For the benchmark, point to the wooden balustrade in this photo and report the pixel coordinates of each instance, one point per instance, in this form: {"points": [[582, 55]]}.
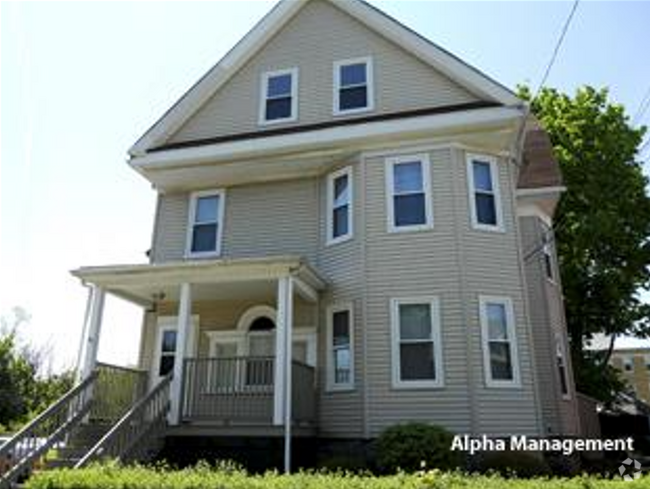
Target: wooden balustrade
{"points": [[240, 390]]}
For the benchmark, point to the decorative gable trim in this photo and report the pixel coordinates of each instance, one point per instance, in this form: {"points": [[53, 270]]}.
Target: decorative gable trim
{"points": [[440, 59]]}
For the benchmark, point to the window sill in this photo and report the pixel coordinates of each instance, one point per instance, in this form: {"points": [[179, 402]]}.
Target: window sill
{"points": [[410, 229], [264, 122], [207, 254], [488, 229], [360, 110], [418, 385], [334, 389], [339, 240], [502, 385]]}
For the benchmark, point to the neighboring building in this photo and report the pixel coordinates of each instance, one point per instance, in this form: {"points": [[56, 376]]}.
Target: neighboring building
{"points": [[340, 191], [634, 364]]}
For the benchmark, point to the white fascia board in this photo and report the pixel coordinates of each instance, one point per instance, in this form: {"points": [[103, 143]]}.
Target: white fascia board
{"points": [[432, 54], [217, 76], [339, 135], [200, 271]]}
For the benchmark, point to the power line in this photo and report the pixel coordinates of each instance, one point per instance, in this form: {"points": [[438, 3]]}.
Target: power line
{"points": [[643, 107], [557, 48]]}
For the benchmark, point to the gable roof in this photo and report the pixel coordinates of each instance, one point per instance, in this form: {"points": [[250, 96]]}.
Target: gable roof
{"points": [[432, 54]]}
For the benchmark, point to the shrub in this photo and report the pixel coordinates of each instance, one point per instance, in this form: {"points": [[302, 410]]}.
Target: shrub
{"points": [[412, 446], [206, 477]]}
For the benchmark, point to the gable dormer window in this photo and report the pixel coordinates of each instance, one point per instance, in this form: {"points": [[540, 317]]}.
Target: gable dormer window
{"points": [[353, 86], [279, 100], [205, 223]]}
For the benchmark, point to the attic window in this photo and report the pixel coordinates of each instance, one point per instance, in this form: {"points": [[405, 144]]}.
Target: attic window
{"points": [[353, 86], [279, 96]]}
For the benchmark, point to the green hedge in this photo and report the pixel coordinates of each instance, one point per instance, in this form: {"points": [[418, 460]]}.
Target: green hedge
{"points": [[204, 477]]}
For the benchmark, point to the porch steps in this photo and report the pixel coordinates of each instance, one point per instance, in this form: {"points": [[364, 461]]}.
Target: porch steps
{"points": [[80, 442]]}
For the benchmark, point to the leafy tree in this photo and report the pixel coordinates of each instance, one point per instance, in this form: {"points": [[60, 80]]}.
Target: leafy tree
{"points": [[602, 222], [25, 391]]}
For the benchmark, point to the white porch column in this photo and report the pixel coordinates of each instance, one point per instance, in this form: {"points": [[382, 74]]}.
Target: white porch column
{"points": [[284, 309], [182, 337], [88, 361], [288, 349], [283, 354]]}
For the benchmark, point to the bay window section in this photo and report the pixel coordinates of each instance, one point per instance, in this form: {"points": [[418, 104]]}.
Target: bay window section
{"points": [[485, 201], [416, 351], [500, 359], [408, 193]]}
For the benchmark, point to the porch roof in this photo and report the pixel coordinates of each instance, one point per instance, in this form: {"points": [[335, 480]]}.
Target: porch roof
{"points": [[140, 282]]}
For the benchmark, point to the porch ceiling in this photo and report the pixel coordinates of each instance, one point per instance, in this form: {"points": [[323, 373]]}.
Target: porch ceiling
{"points": [[224, 279]]}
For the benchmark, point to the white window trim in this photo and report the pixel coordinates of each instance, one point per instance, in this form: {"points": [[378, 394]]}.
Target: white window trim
{"points": [[331, 386], [560, 348], [425, 164], [170, 323], [331, 240], [370, 83], [194, 196], [512, 339], [494, 174], [262, 121], [434, 304]]}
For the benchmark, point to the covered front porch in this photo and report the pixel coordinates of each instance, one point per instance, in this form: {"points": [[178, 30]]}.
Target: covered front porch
{"points": [[237, 337]]}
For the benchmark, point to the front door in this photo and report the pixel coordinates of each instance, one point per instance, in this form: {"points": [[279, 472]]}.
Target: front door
{"points": [[164, 354]]}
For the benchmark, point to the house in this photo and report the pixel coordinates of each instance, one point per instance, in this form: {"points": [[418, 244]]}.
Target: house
{"points": [[353, 229], [634, 364]]}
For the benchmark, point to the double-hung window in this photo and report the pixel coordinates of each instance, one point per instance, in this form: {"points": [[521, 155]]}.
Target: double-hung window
{"points": [[560, 358], [500, 359], [339, 347], [485, 201], [205, 223], [353, 86], [408, 188], [416, 343], [339, 206], [279, 98]]}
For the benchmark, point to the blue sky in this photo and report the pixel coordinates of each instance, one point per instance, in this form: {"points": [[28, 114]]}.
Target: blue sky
{"points": [[80, 81]]}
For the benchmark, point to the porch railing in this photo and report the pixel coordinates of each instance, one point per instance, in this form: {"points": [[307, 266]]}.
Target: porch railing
{"points": [[115, 391], [43, 433], [137, 432], [240, 390]]}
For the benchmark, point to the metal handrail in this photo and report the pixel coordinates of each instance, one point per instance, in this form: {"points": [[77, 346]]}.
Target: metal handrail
{"points": [[145, 415], [50, 426]]}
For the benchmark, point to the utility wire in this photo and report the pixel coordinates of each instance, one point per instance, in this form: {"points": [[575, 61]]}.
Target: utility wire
{"points": [[549, 235], [643, 107], [557, 48]]}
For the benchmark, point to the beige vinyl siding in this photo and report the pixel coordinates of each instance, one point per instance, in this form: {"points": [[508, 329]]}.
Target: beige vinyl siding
{"points": [[279, 218], [316, 37], [341, 413], [170, 229], [456, 264], [492, 267], [403, 265], [547, 319]]}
